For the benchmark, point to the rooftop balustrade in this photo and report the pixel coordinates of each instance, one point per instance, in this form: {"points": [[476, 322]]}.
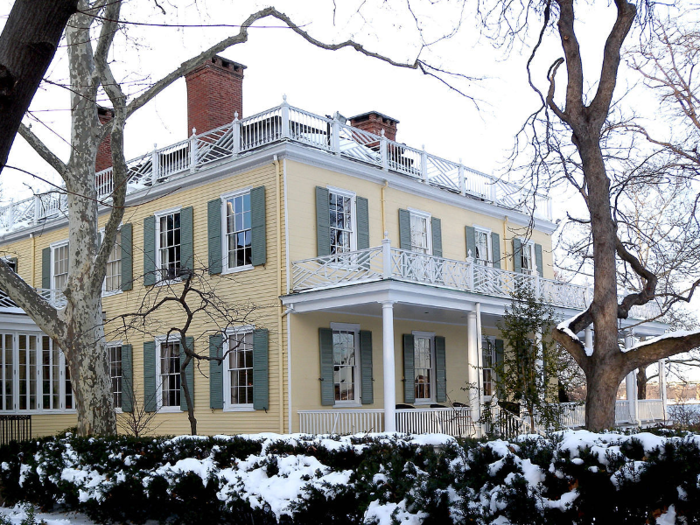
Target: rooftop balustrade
{"points": [[283, 123]]}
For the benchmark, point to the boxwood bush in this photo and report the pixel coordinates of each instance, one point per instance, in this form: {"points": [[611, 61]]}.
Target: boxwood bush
{"points": [[571, 477]]}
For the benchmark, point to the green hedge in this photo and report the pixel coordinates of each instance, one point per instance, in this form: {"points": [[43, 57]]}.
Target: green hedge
{"points": [[574, 477]]}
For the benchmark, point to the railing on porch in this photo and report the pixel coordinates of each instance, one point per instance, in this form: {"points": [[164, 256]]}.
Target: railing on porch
{"points": [[54, 297], [15, 428], [350, 421], [455, 421]]}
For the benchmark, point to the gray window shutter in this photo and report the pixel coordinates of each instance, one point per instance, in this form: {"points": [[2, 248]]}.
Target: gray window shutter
{"points": [[187, 238], [409, 374], [499, 366], [323, 222], [362, 209], [258, 232], [404, 229], [538, 259], [261, 380], [517, 255], [150, 403], [189, 372], [436, 229], [214, 234], [216, 372], [325, 339], [127, 257], [46, 268], [496, 249], [127, 378], [149, 251], [366, 377], [440, 370], [471, 241]]}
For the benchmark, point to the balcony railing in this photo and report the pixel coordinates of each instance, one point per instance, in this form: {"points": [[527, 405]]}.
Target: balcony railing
{"points": [[54, 297], [283, 123]]}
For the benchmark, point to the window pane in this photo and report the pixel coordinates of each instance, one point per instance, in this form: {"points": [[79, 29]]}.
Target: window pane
{"points": [[240, 368], [344, 361], [423, 367], [170, 374], [238, 230], [341, 223], [169, 246], [113, 278]]}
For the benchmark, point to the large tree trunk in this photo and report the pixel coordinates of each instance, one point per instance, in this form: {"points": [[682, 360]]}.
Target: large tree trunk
{"points": [[601, 384], [27, 46], [642, 383]]}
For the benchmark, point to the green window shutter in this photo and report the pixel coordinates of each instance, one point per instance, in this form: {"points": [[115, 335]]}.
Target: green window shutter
{"points": [[258, 228], [471, 241], [436, 229], [366, 378], [496, 249], [323, 222], [149, 251], [127, 378], [187, 238], [216, 372], [46, 268], [127, 257], [189, 372], [214, 233], [409, 374], [325, 337], [150, 402], [499, 366], [404, 229], [538, 259], [440, 370], [362, 208], [517, 256], [261, 388]]}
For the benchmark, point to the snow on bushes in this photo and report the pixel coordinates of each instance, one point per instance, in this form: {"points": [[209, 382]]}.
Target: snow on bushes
{"points": [[573, 477]]}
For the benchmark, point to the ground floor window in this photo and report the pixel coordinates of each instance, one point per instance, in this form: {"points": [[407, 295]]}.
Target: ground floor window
{"points": [[488, 364], [239, 387], [346, 362], [169, 373], [116, 376], [423, 366]]}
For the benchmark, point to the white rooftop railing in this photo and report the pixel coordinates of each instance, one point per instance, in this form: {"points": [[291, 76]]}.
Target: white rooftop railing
{"points": [[283, 123]]}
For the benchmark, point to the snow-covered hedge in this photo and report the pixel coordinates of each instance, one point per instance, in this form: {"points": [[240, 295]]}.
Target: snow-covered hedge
{"points": [[576, 477]]}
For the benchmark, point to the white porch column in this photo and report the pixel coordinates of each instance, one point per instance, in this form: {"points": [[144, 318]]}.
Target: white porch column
{"points": [[389, 366], [588, 338], [631, 383], [662, 386], [473, 360]]}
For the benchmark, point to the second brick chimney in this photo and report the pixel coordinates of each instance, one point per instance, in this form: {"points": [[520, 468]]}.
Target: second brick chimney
{"points": [[375, 122], [104, 151], [214, 94]]}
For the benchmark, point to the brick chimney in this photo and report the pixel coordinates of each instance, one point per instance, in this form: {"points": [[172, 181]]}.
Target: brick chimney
{"points": [[375, 122], [104, 151], [214, 94]]}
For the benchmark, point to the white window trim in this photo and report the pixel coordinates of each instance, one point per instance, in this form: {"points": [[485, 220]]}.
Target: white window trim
{"points": [[54, 246], [428, 226], [433, 373], [108, 346], [355, 328], [353, 211], [105, 293], [159, 340], [224, 241], [230, 407], [158, 215], [489, 243]]}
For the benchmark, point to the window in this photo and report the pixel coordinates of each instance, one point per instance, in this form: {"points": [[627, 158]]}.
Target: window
{"points": [[528, 258], [59, 265], [420, 232], [488, 364], [238, 381], [423, 366], [483, 247], [114, 354], [345, 362], [237, 231], [342, 221], [168, 363], [168, 245], [113, 277]]}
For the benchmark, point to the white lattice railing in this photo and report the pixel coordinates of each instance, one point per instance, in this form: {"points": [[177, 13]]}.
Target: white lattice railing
{"points": [[284, 123], [374, 264], [54, 297]]}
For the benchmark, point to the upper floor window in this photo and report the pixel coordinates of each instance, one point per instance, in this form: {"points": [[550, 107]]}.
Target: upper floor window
{"points": [[528, 257], [423, 366], [113, 275], [59, 265], [168, 245], [483, 247], [342, 221], [237, 230], [420, 232]]}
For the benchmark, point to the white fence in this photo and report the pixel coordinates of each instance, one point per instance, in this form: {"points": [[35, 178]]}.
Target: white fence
{"points": [[284, 123], [54, 297]]}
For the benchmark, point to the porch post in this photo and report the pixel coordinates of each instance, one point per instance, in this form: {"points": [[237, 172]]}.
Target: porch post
{"points": [[389, 366], [662, 386], [589, 339], [631, 383], [473, 370]]}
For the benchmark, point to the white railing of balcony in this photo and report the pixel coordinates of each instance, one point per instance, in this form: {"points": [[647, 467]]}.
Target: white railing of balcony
{"points": [[334, 270], [53, 297], [283, 123]]}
